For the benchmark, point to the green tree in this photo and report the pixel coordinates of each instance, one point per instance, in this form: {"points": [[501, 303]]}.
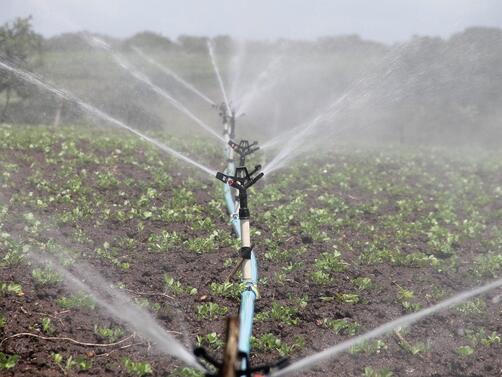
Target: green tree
{"points": [[18, 44]]}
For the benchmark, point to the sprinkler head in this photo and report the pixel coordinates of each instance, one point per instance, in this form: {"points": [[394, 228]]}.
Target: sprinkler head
{"points": [[258, 371], [242, 180], [227, 115], [244, 149]]}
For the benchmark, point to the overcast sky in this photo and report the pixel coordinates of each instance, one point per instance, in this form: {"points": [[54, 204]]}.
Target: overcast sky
{"points": [[383, 20]]}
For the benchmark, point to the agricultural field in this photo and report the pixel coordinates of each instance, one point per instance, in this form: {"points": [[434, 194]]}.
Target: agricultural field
{"points": [[346, 240]]}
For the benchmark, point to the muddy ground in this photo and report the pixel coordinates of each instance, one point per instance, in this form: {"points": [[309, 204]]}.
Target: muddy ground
{"points": [[386, 200]]}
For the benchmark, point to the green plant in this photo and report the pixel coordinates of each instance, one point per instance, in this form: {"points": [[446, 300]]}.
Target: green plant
{"points": [[227, 289], [210, 310], [11, 288], [74, 301], [112, 334], [413, 348], [45, 276], [212, 340], [465, 351], [405, 297], [476, 306], [277, 312], [8, 361], [370, 372], [165, 241], [269, 342], [487, 265], [369, 347], [342, 326], [348, 298], [79, 362], [185, 372], [46, 325], [331, 262], [321, 277], [137, 368], [175, 286], [479, 336], [362, 283], [3, 321]]}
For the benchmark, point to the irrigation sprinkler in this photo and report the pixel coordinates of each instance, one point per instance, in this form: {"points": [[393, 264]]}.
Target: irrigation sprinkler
{"points": [[243, 149], [236, 355], [228, 118]]}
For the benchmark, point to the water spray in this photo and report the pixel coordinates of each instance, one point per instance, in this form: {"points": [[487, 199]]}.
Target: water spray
{"points": [[120, 306], [217, 72], [94, 111], [331, 352], [124, 64], [175, 76], [228, 118]]}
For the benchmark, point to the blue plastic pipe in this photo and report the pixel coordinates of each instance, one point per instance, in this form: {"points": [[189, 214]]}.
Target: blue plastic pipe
{"points": [[250, 292], [248, 297]]}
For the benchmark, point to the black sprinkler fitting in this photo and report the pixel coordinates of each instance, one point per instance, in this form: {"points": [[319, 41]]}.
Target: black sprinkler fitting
{"points": [[243, 149], [242, 180], [245, 252], [263, 370]]}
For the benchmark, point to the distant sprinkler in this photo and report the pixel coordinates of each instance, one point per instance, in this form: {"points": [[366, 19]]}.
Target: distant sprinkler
{"points": [[227, 115], [243, 149]]}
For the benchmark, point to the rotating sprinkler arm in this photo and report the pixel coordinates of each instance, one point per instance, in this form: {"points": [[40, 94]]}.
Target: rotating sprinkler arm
{"points": [[232, 357], [258, 371], [241, 182], [243, 149]]}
